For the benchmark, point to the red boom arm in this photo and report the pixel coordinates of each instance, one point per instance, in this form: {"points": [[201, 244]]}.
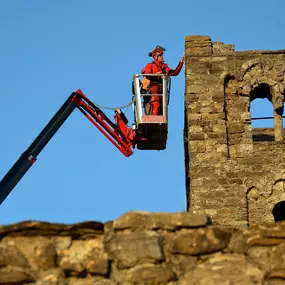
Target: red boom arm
{"points": [[118, 134]]}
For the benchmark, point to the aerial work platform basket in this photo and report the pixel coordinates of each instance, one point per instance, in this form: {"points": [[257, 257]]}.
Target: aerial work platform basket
{"points": [[153, 127]]}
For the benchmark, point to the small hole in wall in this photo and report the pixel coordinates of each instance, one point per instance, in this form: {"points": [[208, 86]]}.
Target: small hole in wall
{"points": [[278, 211]]}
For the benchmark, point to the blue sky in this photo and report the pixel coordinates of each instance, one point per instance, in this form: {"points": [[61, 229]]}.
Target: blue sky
{"points": [[51, 48]]}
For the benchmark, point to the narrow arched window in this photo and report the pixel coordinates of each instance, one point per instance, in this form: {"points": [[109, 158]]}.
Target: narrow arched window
{"points": [[262, 113]]}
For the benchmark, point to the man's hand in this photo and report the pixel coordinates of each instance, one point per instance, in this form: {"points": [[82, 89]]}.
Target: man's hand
{"points": [[182, 59]]}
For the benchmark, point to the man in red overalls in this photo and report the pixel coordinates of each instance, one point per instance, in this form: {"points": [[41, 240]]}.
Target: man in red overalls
{"points": [[155, 86]]}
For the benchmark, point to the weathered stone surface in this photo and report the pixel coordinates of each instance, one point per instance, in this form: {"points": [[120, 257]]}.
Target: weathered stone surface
{"points": [[84, 256], [199, 50], [277, 257], [168, 221], [239, 242], [180, 263], [16, 275], [90, 281], [62, 242], [136, 248], [104, 282], [46, 256], [266, 241], [10, 255], [198, 241], [145, 274], [196, 38], [35, 228], [224, 269], [276, 230], [274, 281], [39, 251], [53, 277], [261, 256], [279, 273], [221, 48]]}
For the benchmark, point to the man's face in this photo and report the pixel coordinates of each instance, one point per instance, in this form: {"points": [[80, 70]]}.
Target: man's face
{"points": [[160, 57]]}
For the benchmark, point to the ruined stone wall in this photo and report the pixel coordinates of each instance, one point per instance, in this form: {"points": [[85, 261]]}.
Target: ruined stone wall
{"points": [[144, 249], [234, 173]]}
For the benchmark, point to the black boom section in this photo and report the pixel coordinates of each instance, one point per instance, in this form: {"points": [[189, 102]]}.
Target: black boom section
{"points": [[26, 160]]}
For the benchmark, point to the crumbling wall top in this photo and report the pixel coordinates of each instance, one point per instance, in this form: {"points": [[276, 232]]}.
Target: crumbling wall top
{"points": [[197, 45]]}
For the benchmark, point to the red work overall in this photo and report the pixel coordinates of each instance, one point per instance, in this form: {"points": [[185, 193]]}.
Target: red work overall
{"points": [[157, 67]]}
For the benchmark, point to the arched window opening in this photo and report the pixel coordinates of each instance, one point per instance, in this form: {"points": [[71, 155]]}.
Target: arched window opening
{"points": [[278, 211], [262, 113], [261, 91]]}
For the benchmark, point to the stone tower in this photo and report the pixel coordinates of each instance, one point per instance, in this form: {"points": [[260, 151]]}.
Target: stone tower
{"points": [[234, 173]]}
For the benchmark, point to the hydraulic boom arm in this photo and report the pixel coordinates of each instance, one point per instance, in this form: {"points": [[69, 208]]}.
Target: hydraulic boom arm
{"points": [[118, 133]]}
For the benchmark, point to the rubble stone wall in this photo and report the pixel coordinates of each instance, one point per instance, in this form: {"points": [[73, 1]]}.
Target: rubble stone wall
{"points": [[144, 249], [234, 173]]}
